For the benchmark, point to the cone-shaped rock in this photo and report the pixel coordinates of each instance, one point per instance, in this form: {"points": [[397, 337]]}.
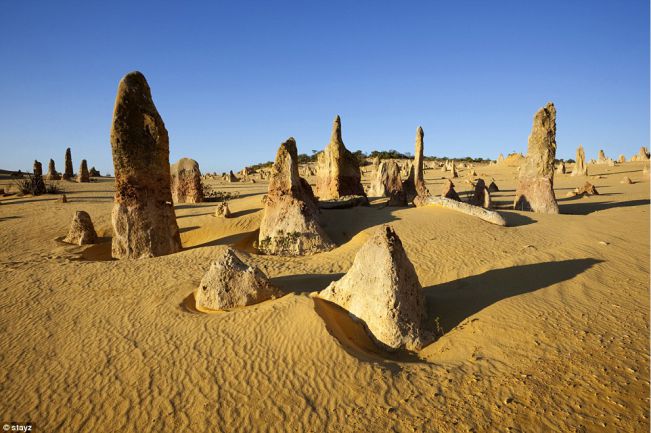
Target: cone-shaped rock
{"points": [[38, 186], [481, 196], [38, 169], [453, 169], [500, 159], [621, 159], [144, 224], [67, 166], [83, 175], [93, 172], [52, 172], [231, 283], [448, 191], [387, 183], [382, 290], [642, 155], [81, 230], [290, 224], [186, 181], [535, 189], [419, 178], [337, 172], [560, 169], [493, 187], [580, 169], [601, 157]]}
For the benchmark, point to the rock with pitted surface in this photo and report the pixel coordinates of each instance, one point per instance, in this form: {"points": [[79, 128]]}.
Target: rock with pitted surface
{"points": [[580, 169], [535, 190], [222, 210], [186, 181], [586, 189], [337, 172], [52, 172], [419, 177], [81, 231], [387, 183], [382, 290], [144, 223], [231, 283], [83, 175], [67, 171], [290, 220]]}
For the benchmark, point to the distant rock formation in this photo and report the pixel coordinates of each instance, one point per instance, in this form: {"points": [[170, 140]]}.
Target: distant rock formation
{"points": [[290, 224], [387, 183], [586, 189], [580, 169], [230, 283], [83, 175], [560, 169], [81, 230], [38, 169], [67, 172], [337, 172], [186, 181], [493, 187], [642, 155], [382, 290], [535, 190], [481, 196], [144, 223], [52, 172], [500, 159], [601, 157], [621, 159], [626, 180], [419, 177], [453, 169], [38, 185], [93, 172]]}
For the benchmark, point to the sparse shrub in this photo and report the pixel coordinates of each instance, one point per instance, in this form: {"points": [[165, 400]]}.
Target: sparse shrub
{"points": [[210, 194]]}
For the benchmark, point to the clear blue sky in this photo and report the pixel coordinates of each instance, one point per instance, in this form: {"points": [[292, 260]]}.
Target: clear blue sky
{"points": [[232, 80]]}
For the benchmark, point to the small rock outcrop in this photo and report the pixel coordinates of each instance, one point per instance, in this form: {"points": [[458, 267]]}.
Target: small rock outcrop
{"points": [[67, 166], [580, 169], [586, 189], [642, 155], [382, 290], [186, 181], [447, 191], [52, 172], [83, 175], [290, 223], [222, 210], [535, 190], [337, 172], [493, 187], [621, 159], [38, 169], [144, 223], [230, 283], [601, 157], [387, 183], [626, 180], [481, 196], [94, 172], [38, 185], [81, 231], [560, 169]]}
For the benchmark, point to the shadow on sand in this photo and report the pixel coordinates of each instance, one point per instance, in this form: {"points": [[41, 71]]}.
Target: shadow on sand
{"points": [[576, 208], [454, 301]]}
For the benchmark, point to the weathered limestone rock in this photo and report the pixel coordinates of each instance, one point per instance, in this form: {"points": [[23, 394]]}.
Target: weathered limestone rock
{"points": [[560, 169], [186, 181], [642, 155], [481, 196], [419, 178], [222, 210], [493, 187], [62, 199], [626, 180], [83, 175], [93, 172], [290, 225], [230, 283], [459, 206], [601, 157], [382, 290], [337, 169], [387, 183], [38, 169], [231, 177], [448, 190], [535, 189], [81, 230], [580, 169], [586, 189], [453, 169], [500, 159], [52, 172], [144, 224], [67, 173], [621, 159]]}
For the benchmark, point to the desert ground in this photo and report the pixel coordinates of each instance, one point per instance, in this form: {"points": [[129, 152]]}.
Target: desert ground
{"points": [[545, 322]]}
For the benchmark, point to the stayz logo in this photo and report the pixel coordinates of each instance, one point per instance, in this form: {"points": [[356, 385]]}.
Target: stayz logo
{"points": [[17, 426]]}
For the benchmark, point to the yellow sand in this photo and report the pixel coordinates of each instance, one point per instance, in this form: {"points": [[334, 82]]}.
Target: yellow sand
{"points": [[546, 322]]}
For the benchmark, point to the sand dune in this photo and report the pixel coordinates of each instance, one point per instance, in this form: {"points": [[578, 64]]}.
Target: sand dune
{"points": [[545, 322]]}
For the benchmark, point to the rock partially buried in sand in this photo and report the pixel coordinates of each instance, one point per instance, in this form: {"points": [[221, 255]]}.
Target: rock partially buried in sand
{"points": [[626, 180], [382, 290], [586, 189], [493, 187], [535, 189], [580, 169], [81, 230], [387, 183], [186, 181], [338, 172], [52, 172], [222, 210], [83, 175], [560, 169], [642, 155], [230, 283], [67, 173], [144, 224], [290, 223], [419, 177], [459, 206], [481, 196], [447, 191]]}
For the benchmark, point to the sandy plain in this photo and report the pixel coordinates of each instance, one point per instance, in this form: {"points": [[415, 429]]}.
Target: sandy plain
{"points": [[545, 322]]}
